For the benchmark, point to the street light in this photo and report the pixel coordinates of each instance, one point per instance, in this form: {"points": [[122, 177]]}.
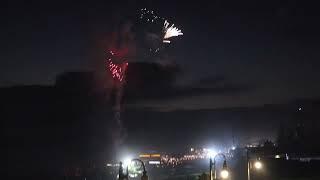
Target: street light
{"points": [[224, 172], [126, 163], [257, 165], [144, 173]]}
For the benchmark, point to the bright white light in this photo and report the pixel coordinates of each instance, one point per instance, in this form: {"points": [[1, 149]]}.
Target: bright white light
{"points": [[127, 161], [154, 162], [224, 174], [233, 148], [277, 156], [211, 153], [258, 165], [170, 31]]}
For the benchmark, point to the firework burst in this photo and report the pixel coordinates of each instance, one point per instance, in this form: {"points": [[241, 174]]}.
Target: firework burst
{"points": [[150, 33], [117, 65], [170, 31], [117, 70], [149, 16], [158, 29]]}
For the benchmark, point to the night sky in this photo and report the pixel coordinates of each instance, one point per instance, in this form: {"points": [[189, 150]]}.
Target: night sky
{"points": [[234, 57], [270, 48]]}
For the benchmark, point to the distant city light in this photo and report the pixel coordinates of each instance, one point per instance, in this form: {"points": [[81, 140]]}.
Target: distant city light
{"points": [[277, 156], [224, 174], [287, 157], [155, 155], [192, 149], [144, 155], [154, 162]]}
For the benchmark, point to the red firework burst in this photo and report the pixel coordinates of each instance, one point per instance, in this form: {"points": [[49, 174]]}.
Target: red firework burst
{"points": [[117, 70]]}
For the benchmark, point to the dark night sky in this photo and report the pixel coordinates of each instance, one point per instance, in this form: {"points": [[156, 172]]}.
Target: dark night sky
{"points": [[269, 47], [232, 54]]}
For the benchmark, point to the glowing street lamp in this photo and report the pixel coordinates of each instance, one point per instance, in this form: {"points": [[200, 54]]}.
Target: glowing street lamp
{"points": [[258, 165], [224, 174], [144, 174], [126, 163]]}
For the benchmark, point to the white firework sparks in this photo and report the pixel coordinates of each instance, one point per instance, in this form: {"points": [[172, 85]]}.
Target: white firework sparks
{"points": [[148, 15], [170, 31]]}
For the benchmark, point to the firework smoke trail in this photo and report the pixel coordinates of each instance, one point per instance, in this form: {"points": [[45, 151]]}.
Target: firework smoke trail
{"points": [[120, 131], [145, 41], [118, 72]]}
